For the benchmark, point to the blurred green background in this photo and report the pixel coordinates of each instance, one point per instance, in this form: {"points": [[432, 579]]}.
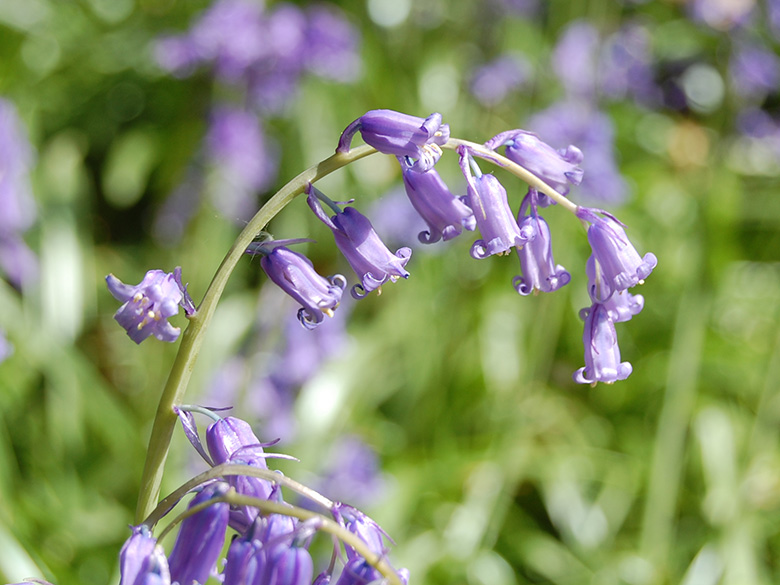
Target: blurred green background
{"points": [[497, 468]]}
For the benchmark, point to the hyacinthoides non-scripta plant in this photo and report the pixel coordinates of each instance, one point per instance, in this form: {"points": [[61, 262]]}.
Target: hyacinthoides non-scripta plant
{"points": [[239, 491]]}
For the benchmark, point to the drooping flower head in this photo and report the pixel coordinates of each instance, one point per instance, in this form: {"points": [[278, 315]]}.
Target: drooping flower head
{"points": [[602, 354], [355, 237], [401, 135], [142, 561], [620, 263], [201, 538], [540, 272], [149, 304], [295, 275], [445, 214], [488, 200], [557, 168]]}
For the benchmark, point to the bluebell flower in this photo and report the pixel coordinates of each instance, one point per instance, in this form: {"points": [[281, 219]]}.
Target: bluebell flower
{"points": [[602, 354], [540, 273], [231, 440], [445, 214], [201, 538], [241, 564], [754, 71], [401, 135], [621, 305], [488, 200], [362, 526], [148, 305], [142, 561], [557, 168], [295, 275], [620, 263], [355, 237]]}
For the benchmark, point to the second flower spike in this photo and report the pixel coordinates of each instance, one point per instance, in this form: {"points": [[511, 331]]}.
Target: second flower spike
{"points": [[355, 237]]}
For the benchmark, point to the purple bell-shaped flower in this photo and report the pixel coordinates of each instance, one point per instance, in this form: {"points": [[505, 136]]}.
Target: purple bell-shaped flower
{"points": [[294, 273], [355, 237], [620, 263], [488, 200], [445, 214], [400, 134], [557, 168], [540, 272], [142, 561], [602, 354], [621, 305]]}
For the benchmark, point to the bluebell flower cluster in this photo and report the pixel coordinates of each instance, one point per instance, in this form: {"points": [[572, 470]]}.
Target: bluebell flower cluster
{"points": [[266, 548]]}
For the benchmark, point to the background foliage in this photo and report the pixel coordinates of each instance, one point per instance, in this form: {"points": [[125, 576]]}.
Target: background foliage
{"points": [[495, 467]]}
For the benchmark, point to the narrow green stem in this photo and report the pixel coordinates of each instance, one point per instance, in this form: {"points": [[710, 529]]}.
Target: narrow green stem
{"points": [[192, 338]]}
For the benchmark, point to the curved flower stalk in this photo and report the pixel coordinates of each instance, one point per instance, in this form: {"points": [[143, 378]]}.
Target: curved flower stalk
{"points": [[355, 237], [540, 272], [446, 215]]}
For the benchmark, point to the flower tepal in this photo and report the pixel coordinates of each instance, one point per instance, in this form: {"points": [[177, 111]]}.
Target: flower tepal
{"points": [[148, 305], [400, 134], [142, 561], [294, 273]]}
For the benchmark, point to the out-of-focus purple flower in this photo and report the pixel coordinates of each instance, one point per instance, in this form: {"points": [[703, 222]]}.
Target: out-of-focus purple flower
{"points": [[722, 14], [201, 538], [620, 263], [355, 237], [294, 273], [556, 168], [245, 161], [231, 440], [620, 305], [17, 206], [517, 7], [602, 354], [352, 473], [755, 71], [142, 561], [575, 56], [494, 81], [445, 214], [148, 305], [773, 14], [400, 134], [17, 260], [231, 33], [332, 44], [6, 347], [540, 272], [625, 66], [496, 222], [577, 122]]}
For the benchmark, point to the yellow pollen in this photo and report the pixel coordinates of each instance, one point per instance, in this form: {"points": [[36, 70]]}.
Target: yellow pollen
{"points": [[138, 296], [641, 281], [328, 312], [378, 290]]}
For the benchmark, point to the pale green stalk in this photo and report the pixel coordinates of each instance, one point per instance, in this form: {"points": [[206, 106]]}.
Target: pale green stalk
{"points": [[192, 338]]}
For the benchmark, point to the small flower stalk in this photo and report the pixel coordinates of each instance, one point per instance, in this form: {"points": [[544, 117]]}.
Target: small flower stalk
{"points": [[356, 239]]}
